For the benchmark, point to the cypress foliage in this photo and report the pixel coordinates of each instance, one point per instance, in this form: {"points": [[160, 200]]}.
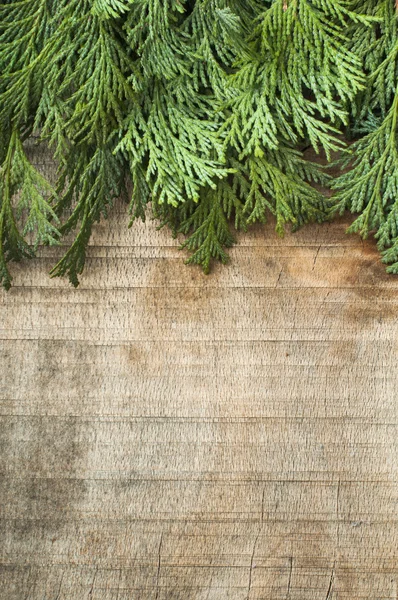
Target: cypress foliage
{"points": [[370, 185], [206, 106]]}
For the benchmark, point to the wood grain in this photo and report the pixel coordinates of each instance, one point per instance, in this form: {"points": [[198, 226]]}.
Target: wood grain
{"points": [[171, 436]]}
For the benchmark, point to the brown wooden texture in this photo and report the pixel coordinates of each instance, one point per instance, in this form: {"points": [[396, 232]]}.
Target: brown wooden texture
{"points": [[168, 435]]}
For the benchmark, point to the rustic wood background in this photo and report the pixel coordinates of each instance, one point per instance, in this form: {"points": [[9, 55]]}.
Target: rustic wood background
{"points": [[171, 436]]}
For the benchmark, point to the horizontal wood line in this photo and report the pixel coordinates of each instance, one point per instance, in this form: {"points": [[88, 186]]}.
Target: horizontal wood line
{"points": [[240, 244], [205, 341], [283, 246], [238, 482], [348, 444], [333, 482], [324, 561], [11, 297], [215, 482], [205, 420], [393, 287], [304, 570], [170, 564], [233, 366], [232, 520]]}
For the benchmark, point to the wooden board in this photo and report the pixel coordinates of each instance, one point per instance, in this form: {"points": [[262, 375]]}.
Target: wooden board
{"points": [[167, 435]]}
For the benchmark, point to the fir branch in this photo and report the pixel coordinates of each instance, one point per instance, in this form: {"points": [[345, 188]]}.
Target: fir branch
{"points": [[280, 184], [25, 27], [18, 176], [110, 8], [209, 229], [93, 182], [205, 104], [175, 146], [302, 64], [368, 186], [98, 91]]}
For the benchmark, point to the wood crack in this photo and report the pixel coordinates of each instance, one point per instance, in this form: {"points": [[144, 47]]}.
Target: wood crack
{"points": [[159, 566], [328, 594], [289, 582], [316, 257], [93, 582]]}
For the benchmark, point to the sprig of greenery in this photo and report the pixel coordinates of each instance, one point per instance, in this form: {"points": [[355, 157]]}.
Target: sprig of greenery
{"points": [[32, 213], [205, 105], [368, 185]]}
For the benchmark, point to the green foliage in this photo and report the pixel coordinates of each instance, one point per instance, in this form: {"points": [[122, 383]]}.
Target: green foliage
{"points": [[204, 106], [91, 180], [31, 213], [369, 184]]}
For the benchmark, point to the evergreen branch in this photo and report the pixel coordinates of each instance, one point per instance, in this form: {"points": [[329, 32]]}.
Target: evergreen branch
{"points": [[12, 244], [205, 104], [175, 147], [94, 188], [110, 8], [368, 187], [209, 230], [283, 190]]}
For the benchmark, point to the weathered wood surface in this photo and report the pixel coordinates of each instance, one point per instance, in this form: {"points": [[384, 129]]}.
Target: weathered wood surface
{"points": [[171, 436]]}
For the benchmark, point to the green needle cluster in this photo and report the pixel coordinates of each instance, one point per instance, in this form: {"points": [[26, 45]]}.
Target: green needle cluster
{"points": [[198, 113]]}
